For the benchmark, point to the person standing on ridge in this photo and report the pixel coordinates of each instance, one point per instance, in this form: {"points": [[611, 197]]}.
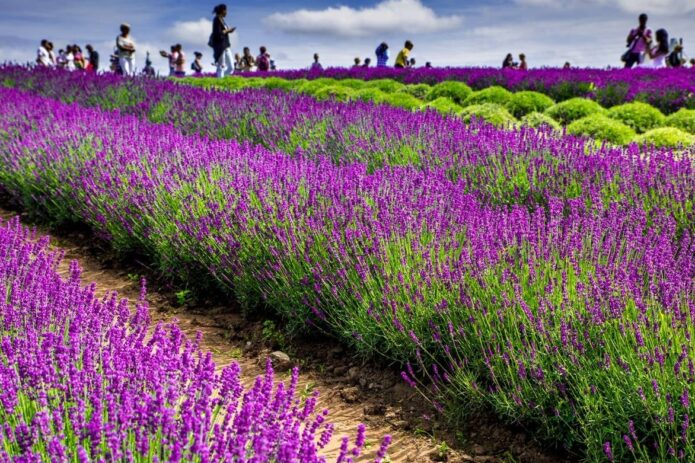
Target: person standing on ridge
{"points": [[248, 62], [219, 41], [402, 60], [197, 65], [43, 56], [126, 51], [93, 59], [523, 65], [382, 55], [637, 42], [263, 60], [316, 65], [657, 54]]}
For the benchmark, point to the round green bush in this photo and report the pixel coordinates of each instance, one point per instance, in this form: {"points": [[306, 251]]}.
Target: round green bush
{"points": [[536, 120], [311, 86], [370, 94], [351, 83], [403, 100], [443, 105], [335, 92], [601, 127], [456, 91], [276, 82], [494, 94], [492, 113], [525, 102], [666, 137], [417, 90], [385, 85], [640, 116], [683, 119], [573, 109]]}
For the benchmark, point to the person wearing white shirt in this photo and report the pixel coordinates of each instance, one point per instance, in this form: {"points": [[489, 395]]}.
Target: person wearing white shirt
{"points": [[126, 51], [43, 56], [69, 58]]}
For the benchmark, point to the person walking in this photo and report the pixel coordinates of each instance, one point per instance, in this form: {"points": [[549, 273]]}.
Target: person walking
{"points": [[43, 56], [402, 60], [657, 54], [126, 51], [219, 41], [93, 59], [637, 43], [382, 55], [263, 60], [316, 65], [80, 62], [180, 62], [69, 58], [172, 56]]}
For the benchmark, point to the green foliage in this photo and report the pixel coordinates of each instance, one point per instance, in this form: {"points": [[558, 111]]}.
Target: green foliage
{"points": [[370, 94], [536, 120], [385, 85], [683, 119], [525, 102], [417, 90], [494, 94], [573, 109], [352, 83], [666, 137], [492, 113], [277, 83], [640, 116], [335, 92], [602, 127], [455, 91], [443, 105], [183, 296], [310, 87], [403, 100]]}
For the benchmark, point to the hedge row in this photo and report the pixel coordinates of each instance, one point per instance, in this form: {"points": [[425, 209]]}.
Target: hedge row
{"points": [[622, 124]]}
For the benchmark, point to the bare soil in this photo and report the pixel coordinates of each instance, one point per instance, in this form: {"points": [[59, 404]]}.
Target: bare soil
{"points": [[355, 391]]}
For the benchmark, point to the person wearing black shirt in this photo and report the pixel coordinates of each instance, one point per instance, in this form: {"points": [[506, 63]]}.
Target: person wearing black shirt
{"points": [[219, 41], [93, 59]]}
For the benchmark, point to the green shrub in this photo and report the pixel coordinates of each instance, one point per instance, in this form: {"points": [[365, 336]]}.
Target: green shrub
{"points": [[370, 94], [443, 105], [456, 91], [417, 90], [403, 100], [683, 119], [573, 109], [335, 92], [492, 113], [277, 82], [601, 127], [666, 137], [536, 120], [640, 116], [525, 102], [351, 83], [494, 94], [385, 85]]}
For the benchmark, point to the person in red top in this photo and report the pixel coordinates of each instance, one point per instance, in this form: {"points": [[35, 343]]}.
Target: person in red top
{"points": [[263, 60], [638, 41]]}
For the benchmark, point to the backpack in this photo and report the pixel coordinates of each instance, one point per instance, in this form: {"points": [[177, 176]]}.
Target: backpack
{"points": [[263, 63]]}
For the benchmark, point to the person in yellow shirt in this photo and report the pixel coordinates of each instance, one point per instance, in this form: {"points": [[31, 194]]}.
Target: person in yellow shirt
{"points": [[402, 58]]}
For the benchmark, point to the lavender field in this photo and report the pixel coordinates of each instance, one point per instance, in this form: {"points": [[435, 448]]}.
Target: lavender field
{"points": [[545, 276]]}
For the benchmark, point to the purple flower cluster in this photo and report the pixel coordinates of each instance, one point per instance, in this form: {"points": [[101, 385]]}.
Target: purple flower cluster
{"points": [[550, 279], [87, 379]]}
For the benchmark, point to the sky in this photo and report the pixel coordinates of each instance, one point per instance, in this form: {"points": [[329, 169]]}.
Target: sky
{"points": [[445, 32]]}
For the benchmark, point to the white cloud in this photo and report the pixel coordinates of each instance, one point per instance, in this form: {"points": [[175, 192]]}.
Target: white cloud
{"points": [[407, 16], [191, 31], [672, 7]]}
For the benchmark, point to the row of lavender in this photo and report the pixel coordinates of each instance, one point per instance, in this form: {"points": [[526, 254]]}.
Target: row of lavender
{"points": [[666, 89], [498, 167], [86, 379], [576, 316]]}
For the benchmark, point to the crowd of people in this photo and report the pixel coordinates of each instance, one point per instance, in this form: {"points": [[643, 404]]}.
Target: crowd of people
{"points": [[644, 49]]}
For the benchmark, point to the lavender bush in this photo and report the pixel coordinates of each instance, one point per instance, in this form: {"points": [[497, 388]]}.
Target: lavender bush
{"points": [[85, 379], [567, 305]]}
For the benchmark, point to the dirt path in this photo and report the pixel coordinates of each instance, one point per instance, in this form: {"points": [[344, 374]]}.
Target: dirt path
{"points": [[354, 392]]}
